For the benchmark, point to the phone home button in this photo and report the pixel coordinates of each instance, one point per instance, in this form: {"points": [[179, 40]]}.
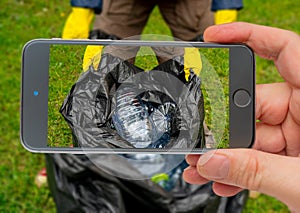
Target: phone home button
{"points": [[241, 98]]}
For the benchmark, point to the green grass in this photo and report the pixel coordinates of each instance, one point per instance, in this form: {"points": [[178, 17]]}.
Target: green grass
{"points": [[20, 22], [64, 69], [215, 88], [29, 19]]}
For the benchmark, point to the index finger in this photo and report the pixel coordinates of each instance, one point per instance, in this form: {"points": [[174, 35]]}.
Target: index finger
{"points": [[279, 45]]}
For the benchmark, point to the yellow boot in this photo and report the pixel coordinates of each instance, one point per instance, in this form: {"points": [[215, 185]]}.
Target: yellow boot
{"points": [[225, 16], [78, 23]]}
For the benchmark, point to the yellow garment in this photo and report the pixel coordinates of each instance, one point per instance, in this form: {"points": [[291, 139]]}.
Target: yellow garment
{"points": [[225, 16], [78, 23], [192, 59]]}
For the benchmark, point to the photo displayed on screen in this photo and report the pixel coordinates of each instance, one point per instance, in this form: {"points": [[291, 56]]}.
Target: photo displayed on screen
{"points": [[138, 97]]}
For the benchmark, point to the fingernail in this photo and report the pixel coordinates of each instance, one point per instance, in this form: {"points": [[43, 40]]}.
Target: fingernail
{"points": [[213, 166]]}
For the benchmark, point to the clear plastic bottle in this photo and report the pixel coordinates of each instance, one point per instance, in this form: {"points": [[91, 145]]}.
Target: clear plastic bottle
{"points": [[140, 123], [131, 119]]}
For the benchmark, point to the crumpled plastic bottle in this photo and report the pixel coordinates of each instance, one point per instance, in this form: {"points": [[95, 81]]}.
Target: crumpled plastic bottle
{"points": [[141, 123]]}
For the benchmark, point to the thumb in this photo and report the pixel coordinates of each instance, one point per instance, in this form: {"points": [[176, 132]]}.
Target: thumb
{"points": [[271, 174]]}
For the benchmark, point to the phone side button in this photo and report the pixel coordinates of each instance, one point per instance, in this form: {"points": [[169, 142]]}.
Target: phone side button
{"points": [[241, 98]]}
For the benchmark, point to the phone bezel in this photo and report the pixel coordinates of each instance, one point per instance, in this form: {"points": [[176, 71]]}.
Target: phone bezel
{"points": [[34, 108]]}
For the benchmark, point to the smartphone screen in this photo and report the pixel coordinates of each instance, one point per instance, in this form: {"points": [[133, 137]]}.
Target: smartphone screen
{"points": [[137, 97], [148, 126]]}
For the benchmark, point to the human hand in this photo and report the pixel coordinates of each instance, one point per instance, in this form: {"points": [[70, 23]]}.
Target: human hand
{"points": [[273, 166]]}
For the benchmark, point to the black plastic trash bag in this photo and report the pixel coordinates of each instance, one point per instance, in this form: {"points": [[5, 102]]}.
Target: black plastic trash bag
{"points": [[92, 103], [78, 185], [127, 183]]}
